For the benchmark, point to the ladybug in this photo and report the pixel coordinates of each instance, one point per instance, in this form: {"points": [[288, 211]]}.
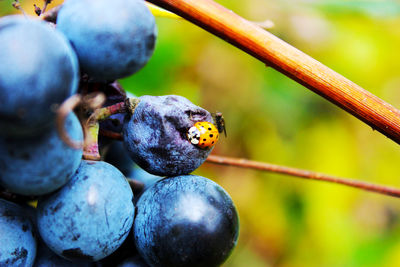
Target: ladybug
{"points": [[203, 134]]}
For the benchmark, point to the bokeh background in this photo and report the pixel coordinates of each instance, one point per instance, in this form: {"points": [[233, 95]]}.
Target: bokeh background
{"points": [[286, 221]]}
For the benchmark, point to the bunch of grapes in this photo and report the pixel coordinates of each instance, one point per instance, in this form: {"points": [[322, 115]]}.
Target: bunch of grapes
{"points": [[139, 205]]}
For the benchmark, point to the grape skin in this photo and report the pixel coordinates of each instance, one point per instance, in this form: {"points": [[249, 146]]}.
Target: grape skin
{"points": [[155, 135], [41, 164], [18, 244], [185, 221], [89, 217], [38, 70], [112, 39]]}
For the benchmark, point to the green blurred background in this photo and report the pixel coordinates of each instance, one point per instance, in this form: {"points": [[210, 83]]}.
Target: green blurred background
{"points": [[287, 221]]}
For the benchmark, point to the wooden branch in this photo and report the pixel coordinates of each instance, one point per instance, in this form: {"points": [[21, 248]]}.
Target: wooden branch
{"points": [[249, 164], [288, 60]]}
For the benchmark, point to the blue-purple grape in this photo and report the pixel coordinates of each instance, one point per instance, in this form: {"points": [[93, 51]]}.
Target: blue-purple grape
{"points": [[41, 164], [156, 135], [185, 221], [38, 71], [112, 39], [90, 216]]}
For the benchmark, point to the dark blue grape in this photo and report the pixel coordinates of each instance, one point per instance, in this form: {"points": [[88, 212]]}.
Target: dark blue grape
{"points": [[155, 135], [112, 39], [185, 221], [90, 216], [17, 241], [38, 70], [39, 165]]}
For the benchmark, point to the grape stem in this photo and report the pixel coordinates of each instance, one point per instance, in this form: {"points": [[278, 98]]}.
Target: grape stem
{"points": [[65, 108], [91, 147], [51, 15], [17, 5], [288, 60], [262, 166], [46, 3]]}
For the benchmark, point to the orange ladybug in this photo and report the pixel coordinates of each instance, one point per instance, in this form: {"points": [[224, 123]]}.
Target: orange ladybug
{"points": [[203, 134]]}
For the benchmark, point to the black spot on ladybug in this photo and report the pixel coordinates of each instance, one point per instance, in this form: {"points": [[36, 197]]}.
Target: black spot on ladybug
{"points": [[212, 142], [209, 128], [204, 139], [211, 135]]}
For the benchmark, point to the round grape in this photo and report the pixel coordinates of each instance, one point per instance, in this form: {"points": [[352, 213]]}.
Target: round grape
{"points": [[155, 135], [112, 39], [90, 216], [41, 164], [38, 70], [185, 221]]}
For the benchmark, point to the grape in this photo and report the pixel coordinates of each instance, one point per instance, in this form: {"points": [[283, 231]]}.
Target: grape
{"points": [[38, 70], [112, 39], [185, 221], [155, 135], [18, 244], [41, 164], [90, 216]]}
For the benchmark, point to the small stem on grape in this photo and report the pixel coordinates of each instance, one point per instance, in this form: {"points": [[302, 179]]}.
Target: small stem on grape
{"points": [[46, 2], [38, 11], [131, 104], [51, 15], [91, 148], [103, 113], [244, 163], [66, 107], [17, 5]]}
